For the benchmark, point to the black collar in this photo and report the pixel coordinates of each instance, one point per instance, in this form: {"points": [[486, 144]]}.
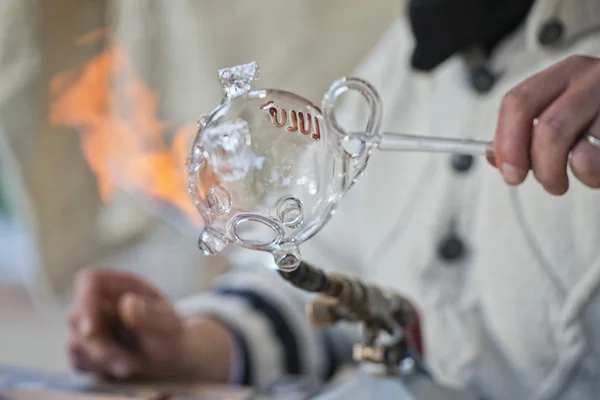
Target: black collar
{"points": [[445, 27]]}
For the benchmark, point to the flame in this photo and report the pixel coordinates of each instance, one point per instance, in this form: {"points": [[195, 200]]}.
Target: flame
{"points": [[122, 139]]}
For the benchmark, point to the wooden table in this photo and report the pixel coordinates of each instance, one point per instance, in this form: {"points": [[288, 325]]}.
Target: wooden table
{"points": [[54, 395], [22, 384], [43, 394]]}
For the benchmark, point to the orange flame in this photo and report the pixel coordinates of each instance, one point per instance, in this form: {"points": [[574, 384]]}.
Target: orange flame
{"points": [[115, 113]]}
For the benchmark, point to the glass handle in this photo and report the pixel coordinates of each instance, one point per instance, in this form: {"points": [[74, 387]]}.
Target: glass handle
{"points": [[369, 136], [356, 160]]}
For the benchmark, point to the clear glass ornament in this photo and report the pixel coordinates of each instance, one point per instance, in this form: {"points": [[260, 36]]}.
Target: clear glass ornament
{"points": [[268, 168]]}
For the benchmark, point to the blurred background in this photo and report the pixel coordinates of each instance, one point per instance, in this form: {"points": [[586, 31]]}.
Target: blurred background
{"points": [[98, 100]]}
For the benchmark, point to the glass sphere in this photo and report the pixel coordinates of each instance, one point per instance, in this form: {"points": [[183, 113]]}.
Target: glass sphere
{"points": [[267, 168], [264, 172]]}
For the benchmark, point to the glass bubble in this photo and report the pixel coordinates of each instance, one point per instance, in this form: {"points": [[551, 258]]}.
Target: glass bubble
{"points": [[218, 200], [289, 211]]}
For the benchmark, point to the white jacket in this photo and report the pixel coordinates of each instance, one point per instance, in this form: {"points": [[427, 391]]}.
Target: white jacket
{"points": [[517, 314]]}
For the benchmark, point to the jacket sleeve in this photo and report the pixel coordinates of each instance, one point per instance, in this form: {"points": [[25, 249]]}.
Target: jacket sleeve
{"points": [[267, 317]]}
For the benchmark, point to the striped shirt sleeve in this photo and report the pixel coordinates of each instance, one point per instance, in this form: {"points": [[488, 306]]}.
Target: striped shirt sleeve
{"points": [[266, 315]]}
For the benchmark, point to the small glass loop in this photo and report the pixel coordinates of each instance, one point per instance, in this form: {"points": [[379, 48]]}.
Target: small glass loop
{"points": [[368, 92], [287, 262], [257, 222], [290, 211], [218, 200]]}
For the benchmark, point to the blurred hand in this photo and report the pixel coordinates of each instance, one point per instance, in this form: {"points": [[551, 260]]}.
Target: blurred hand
{"points": [[122, 327], [565, 100]]}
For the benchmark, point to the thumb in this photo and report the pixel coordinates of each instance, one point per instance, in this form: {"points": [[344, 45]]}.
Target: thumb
{"points": [[148, 316], [491, 157]]}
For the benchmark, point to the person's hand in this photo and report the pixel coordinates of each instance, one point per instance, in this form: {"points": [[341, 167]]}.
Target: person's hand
{"points": [[122, 327], [544, 123]]}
